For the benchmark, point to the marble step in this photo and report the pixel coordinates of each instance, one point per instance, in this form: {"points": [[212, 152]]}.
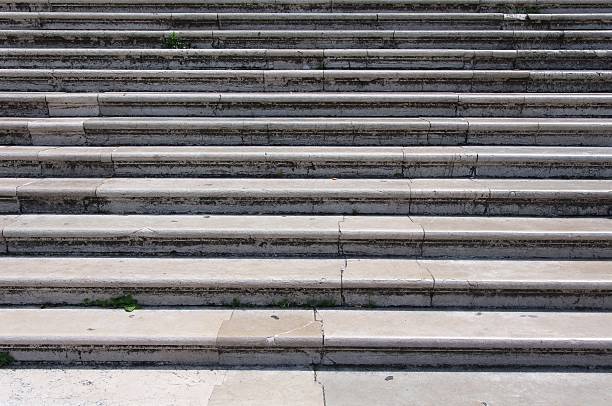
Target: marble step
{"points": [[315, 386], [337, 39], [304, 131], [308, 162], [569, 285], [307, 236], [310, 104], [365, 59], [475, 197], [85, 80], [306, 337], [301, 21], [505, 6]]}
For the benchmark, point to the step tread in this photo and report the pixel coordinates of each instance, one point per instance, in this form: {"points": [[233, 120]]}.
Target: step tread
{"points": [[357, 188], [318, 227], [253, 273], [219, 328], [281, 386]]}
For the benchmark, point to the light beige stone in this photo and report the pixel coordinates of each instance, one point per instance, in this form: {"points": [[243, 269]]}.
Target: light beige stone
{"points": [[475, 274], [268, 388], [380, 227], [67, 327], [271, 328], [242, 273], [109, 387], [386, 273], [507, 388], [457, 228], [174, 226], [475, 329]]}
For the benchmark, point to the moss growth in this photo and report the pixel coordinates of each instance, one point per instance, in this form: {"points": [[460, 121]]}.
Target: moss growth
{"points": [[6, 359], [127, 303]]}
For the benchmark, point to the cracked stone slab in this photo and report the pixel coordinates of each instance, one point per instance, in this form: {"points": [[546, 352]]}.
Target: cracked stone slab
{"points": [[271, 328], [386, 282]]}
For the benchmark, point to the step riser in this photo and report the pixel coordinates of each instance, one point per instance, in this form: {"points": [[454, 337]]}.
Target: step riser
{"points": [[499, 40], [557, 82], [59, 245], [310, 59], [327, 106], [299, 356], [439, 205], [363, 168], [567, 299]]}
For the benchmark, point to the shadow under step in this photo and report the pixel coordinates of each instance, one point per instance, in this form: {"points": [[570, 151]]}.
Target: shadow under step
{"points": [[313, 236], [569, 285]]}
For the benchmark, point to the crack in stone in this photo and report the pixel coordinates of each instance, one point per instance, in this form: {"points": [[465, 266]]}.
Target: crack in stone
{"points": [[339, 247], [433, 278], [271, 339], [316, 379]]}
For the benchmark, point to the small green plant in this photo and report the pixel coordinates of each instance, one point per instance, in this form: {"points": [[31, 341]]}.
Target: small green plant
{"points": [[127, 303], [6, 359], [174, 41], [236, 302]]}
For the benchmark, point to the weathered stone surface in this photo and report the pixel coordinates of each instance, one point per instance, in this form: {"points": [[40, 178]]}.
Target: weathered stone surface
{"points": [[356, 388]]}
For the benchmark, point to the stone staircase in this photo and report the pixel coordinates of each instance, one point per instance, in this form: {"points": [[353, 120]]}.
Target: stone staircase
{"points": [[306, 190]]}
